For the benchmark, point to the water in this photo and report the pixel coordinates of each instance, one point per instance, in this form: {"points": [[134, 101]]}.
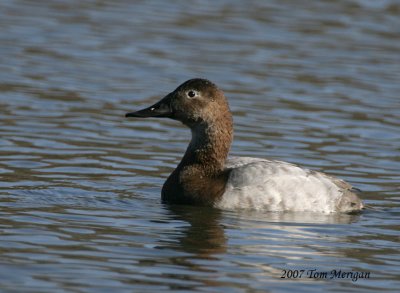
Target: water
{"points": [[310, 82]]}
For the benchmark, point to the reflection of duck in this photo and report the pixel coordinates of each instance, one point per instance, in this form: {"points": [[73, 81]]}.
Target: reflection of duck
{"points": [[206, 177], [205, 235], [250, 232]]}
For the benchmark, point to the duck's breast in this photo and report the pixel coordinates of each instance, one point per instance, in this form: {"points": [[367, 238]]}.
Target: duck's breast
{"points": [[278, 186]]}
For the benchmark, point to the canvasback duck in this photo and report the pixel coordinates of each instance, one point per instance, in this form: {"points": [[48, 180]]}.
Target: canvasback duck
{"points": [[206, 176]]}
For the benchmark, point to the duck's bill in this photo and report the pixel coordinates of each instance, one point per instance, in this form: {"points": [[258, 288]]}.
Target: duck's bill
{"points": [[160, 109]]}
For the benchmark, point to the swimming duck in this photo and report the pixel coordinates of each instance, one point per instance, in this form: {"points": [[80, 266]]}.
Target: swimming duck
{"points": [[206, 176]]}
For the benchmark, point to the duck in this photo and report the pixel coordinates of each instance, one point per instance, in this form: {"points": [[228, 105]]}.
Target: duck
{"points": [[206, 176]]}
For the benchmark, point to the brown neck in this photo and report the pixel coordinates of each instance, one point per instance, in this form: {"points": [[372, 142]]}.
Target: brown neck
{"points": [[200, 176], [208, 148]]}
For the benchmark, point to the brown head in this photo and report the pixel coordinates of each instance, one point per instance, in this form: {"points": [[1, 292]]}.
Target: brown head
{"points": [[194, 102], [202, 106]]}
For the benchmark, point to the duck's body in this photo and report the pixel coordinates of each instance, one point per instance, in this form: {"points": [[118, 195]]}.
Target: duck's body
{"points": [[279, 186], [206, 177]]}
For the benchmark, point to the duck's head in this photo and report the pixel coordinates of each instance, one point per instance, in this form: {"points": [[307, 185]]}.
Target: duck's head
{"points": [[193, 102]]}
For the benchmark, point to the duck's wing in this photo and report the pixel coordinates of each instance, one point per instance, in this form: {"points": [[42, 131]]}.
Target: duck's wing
{"points": [[280, 186], [235, 162]]}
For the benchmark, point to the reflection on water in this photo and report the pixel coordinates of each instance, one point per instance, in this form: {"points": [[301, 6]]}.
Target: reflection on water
{"points": [[311, 83]]}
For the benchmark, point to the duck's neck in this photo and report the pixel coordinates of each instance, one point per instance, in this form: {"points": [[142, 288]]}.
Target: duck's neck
{"points": [[208, 148], [200, 176]]}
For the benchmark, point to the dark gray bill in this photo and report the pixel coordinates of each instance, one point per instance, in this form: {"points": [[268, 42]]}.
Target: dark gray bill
{"points": [[159, 109]]}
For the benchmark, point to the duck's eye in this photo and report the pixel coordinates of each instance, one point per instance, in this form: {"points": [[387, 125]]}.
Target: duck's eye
{"points": [[191, 94]]}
